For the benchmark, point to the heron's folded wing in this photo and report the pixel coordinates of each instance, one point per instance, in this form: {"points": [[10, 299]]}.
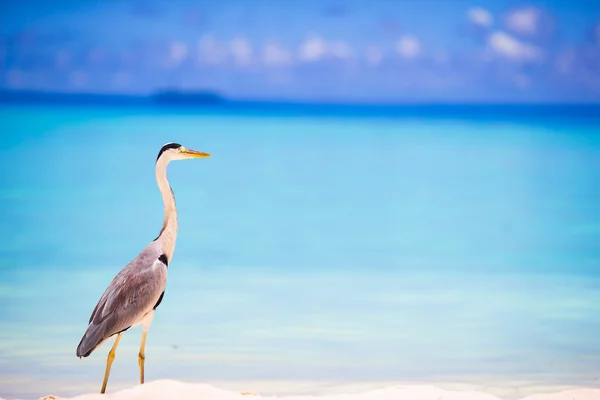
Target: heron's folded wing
{"points": [[132, 294]]}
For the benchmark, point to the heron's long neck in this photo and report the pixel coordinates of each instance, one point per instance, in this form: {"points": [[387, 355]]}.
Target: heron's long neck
{"points": [[168, 234]]}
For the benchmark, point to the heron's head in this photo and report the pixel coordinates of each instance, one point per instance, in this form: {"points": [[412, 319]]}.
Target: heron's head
{"points": [[175, 151]]}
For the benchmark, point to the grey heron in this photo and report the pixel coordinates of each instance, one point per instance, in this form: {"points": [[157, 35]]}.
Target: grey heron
{"points": [[139, 287]]}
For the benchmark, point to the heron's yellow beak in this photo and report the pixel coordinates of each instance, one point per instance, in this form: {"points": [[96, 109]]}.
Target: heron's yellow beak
{"points": [[192, 153]]}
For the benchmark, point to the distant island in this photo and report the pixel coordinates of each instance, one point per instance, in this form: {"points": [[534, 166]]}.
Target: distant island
{"points": [[187, 97], [173, 98], [168, 96]]}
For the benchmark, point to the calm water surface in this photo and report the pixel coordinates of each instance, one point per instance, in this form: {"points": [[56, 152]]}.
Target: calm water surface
{"points": [[310, 248]]}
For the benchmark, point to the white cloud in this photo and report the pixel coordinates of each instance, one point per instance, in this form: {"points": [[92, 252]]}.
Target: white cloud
{"points": [[374, 55], [511, 48], [241, 50], [524, 20], [408, 46], [210, 51], [480, 16], [177, 53], [312, 49], [275, 55], [315, 48]]}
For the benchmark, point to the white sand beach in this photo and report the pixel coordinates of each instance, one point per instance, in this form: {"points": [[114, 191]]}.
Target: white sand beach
{"points": [[171, 389]]}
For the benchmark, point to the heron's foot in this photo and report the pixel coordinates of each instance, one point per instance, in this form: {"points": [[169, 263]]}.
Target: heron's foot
{"points": [[49, 397], [244, 393]]}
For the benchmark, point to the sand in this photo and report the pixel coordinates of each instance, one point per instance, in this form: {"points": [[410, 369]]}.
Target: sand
{"points": [[175, 390]]}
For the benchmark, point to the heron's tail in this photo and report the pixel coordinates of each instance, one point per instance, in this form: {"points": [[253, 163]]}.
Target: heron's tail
{"points": [[91, 339], [94, 336]]}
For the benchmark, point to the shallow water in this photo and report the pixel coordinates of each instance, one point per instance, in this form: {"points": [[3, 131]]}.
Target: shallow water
{"points": [[330, 247]]}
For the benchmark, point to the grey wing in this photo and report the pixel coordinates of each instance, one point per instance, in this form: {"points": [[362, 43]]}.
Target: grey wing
{"points": [[133, 293]]}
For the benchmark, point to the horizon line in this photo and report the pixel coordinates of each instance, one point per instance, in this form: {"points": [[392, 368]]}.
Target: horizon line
{"points": [[216, 98]]}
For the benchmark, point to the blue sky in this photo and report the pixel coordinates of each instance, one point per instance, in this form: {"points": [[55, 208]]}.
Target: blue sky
{"points": [[367, 50]]}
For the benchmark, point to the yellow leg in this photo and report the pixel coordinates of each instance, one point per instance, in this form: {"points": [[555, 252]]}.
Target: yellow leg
{"points": [[142, 357], [109, 361]]}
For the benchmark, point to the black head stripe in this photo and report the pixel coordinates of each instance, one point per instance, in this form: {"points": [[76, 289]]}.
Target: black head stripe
{"points": [[167, 147]]}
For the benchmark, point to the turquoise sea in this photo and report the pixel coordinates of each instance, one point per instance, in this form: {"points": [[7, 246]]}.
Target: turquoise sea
{"points": [[338, 246]]}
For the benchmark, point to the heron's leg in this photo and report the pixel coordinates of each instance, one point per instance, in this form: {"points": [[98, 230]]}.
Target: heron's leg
{"points": [[142, 356], [109, 361], [146, 322]]}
